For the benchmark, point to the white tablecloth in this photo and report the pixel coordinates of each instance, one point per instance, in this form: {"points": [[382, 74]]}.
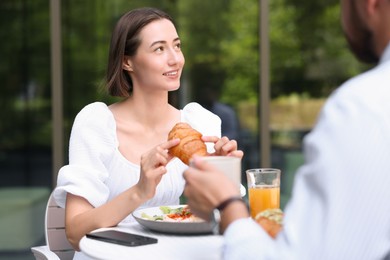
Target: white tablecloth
{"points": [[168, 247]]}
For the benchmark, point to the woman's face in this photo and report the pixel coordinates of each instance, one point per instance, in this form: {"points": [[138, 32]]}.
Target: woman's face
{"points": [[159, 62]]}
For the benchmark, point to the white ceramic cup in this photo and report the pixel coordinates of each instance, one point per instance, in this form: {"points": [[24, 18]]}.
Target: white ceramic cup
{"points": [[230, 166]]}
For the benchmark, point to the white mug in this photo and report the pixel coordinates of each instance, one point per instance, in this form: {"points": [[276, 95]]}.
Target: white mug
{"points": [[230, 166]]}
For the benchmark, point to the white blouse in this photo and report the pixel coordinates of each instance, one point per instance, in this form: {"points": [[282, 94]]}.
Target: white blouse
{"points": [[98, 172]]}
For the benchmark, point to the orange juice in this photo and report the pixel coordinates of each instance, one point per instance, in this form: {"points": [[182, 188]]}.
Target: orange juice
{"points": [[263, 197]]}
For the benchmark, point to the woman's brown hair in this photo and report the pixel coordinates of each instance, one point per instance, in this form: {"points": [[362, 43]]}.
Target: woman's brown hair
{"points": [[125, 41]]}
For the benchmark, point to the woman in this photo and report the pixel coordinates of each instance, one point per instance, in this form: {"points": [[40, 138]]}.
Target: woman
{"points": [[118, 159]]}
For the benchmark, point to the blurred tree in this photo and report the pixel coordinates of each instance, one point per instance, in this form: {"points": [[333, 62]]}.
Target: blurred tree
{"points": [[308, 50], [25, 74], [240, 57], [323, 59], [220, 42], [202, 27]]}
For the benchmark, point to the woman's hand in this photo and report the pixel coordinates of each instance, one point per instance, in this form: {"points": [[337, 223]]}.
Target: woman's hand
{"points": [[153, 168], [224, 146]]}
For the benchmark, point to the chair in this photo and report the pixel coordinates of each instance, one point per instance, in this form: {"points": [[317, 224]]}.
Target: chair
{"points": [[57, 245]]}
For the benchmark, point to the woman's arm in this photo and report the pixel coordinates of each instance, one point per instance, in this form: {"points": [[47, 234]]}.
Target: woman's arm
{"points": [[82, 217]]}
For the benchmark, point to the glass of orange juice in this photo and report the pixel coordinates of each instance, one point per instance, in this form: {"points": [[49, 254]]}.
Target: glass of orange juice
{"points": [[263, 189]]}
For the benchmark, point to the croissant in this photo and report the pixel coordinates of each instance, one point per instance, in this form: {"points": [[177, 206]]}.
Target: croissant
{"points": [[271, 220], [190, 142]]}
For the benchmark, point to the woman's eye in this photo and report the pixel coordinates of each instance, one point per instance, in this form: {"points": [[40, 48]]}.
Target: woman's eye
{"points": [[159, 49], [178, 46]]}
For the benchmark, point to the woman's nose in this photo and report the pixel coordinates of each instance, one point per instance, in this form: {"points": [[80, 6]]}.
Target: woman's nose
{"points": [[174, 57]]}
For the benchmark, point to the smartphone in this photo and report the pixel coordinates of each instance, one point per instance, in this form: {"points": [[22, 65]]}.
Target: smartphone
{"points": [[122, 238]]}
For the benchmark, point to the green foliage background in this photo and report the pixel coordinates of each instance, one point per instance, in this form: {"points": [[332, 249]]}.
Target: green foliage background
{"points": [[220, 41]]}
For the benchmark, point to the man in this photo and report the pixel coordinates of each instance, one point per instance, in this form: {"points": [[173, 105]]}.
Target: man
{"points": [[340, 205]]}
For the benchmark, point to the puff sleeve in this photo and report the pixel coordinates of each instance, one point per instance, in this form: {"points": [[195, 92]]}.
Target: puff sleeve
{"points": [[91, 147]]}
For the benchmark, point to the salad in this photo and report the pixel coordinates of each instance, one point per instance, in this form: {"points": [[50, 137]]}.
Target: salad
{"points": [[180, 214]]}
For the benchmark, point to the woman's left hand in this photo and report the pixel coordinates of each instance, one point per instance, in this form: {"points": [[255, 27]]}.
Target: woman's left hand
{"points": [[224, 146]]}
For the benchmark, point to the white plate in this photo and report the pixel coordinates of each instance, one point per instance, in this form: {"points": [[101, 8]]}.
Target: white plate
{"points": [[202, 227]]}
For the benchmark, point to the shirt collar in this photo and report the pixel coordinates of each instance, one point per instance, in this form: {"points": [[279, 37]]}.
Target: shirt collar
{"points": [[386, 54]]}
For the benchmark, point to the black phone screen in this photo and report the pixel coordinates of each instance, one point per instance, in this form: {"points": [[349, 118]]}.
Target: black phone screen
{"points": [[122, 238]]}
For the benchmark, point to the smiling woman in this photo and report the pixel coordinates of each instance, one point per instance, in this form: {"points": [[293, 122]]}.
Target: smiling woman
{"points": [[126, 41], [158, 61], [118, 154]]}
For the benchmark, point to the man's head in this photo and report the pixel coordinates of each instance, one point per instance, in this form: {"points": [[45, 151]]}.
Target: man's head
{"points": [[366, 24]]}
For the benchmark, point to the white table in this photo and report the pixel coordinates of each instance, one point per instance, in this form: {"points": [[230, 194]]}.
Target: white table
{"points": [[169, 246]]}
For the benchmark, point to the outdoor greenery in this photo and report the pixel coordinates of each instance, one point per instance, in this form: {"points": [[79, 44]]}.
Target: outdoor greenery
{"points": [[309, 57]]}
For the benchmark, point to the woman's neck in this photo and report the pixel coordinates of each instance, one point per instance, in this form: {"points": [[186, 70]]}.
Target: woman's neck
{"points": [[150, 112]]}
